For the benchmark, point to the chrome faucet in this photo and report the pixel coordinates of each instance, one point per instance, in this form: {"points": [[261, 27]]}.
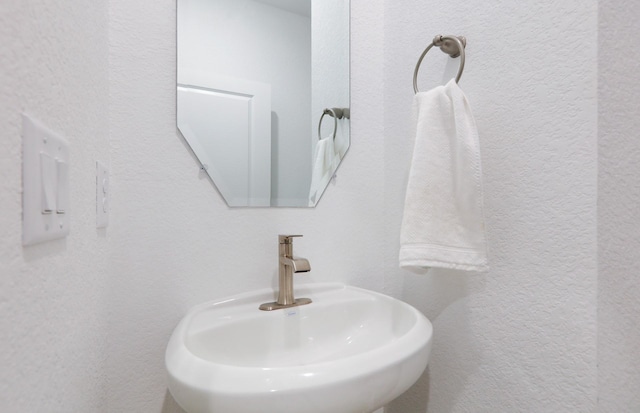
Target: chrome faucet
{"points": [[287, 266]]}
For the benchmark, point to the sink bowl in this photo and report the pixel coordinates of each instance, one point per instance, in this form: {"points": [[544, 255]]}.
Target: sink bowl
{"points": [[350, 351]]}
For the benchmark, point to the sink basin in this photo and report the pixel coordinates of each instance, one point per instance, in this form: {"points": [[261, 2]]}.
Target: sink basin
{"points": [[350, 351]]}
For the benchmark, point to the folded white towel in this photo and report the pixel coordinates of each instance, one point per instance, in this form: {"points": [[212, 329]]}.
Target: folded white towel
{"points": [[443, 221], [325, 162]]}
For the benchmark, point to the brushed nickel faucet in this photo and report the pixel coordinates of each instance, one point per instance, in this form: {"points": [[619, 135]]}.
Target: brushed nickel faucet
{"points": [[287, 266]]}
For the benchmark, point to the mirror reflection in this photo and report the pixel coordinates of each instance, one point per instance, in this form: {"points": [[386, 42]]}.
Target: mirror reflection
{"points": [[263, 95]]}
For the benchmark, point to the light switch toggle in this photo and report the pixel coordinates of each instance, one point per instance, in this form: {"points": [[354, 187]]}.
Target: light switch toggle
{"points": [[62, 194], [49, 183]]}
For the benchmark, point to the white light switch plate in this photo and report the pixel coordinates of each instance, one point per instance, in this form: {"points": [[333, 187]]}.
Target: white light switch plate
{"points": [[102, 195], [45, 183]]}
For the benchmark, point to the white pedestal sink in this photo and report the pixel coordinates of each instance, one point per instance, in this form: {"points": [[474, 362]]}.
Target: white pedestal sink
{"points": [[349, 351]]}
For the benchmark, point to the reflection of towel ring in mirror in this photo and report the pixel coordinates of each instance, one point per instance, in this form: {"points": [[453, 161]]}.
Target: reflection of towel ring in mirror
{"points": [[451, 45], [335, 122], [335, 113]]}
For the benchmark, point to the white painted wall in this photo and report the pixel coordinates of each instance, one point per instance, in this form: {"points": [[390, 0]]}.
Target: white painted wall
{"points": [[84, 322], [618, 206], [270, 45], [53, 301], [521, 337]]}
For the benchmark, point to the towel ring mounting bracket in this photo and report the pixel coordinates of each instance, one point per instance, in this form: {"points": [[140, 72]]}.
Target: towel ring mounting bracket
{"points": [[452, 45]]}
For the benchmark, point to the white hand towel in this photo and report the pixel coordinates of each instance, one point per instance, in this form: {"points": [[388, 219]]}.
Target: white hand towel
{"points": [[325, 162], [443, 221]]}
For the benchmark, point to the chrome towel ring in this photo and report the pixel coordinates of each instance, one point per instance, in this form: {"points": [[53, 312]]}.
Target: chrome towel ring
{"points": [[451, 45], [335, 113]]}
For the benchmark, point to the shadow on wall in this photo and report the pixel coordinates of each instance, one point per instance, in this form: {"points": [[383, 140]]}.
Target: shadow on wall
{"points": [[169, 405], [441, 296], [416, 399]]}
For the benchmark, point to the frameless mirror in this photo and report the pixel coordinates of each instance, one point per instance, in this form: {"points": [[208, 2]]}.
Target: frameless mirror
{"points": [[263, 95]]}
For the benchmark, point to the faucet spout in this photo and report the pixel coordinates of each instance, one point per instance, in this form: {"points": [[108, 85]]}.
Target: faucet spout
{"points": [[296, 264]]}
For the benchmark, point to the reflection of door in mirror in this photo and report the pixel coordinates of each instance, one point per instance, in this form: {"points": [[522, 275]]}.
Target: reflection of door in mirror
{"points": [[234, 118], [246, 104]]}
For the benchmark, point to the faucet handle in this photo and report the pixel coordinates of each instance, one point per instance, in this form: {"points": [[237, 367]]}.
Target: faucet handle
{"points": [[287, 239]]}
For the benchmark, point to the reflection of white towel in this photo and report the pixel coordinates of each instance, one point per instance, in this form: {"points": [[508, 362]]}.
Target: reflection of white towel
{"points": [[325, 163], [341, 143], [443, 221]]}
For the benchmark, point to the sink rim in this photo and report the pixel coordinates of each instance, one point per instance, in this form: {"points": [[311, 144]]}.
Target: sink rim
{"points": [[186, 368]]}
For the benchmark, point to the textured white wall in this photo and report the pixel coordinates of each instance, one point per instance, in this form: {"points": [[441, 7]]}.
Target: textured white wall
{"points": [[523, 336], [618, 206], [85, 321], [173, 241], [54, 65]]}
